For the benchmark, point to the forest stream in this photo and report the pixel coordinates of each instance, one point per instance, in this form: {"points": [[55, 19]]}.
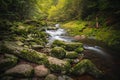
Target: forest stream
{"points": [[59, 39], [104, 58]]}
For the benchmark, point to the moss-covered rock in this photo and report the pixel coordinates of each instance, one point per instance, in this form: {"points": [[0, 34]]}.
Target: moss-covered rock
{"points": [[79, 50], [58, 43], [71, 46], [21, 70], [71, 55], [8, 62], [36, 47], [86, 66], [51, 77], [52, 28], [33, 56], [58, 52], [57, 65], [25, 53], [64, 77], [7, 78]]}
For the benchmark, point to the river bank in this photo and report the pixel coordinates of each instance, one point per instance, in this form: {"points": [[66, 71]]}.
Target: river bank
{"points": [[40, 52]]}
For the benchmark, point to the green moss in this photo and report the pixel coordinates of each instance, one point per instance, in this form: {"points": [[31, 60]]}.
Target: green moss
{"points": [[51, 77], [58, 52], [74, 27], [86, 66], [79, 50], [33, 56], [8, 62], [71, 46], [58, 43], [58, 68], [57, 65], [71, 55]]}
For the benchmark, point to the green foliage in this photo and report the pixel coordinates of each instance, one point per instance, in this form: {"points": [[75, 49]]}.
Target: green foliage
{"points": [[16, 9], [74, 27], [111, 37]]}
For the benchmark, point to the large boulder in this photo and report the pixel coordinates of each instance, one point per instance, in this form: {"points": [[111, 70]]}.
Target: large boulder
{"points": [[71, 55], [25, 53], [54, 64], [58, 43], [58, 52], [41, 71], [57, 65], [71, 46], [8, 62], [51, 77], [64, 77], [21, 70], [86, 66]]}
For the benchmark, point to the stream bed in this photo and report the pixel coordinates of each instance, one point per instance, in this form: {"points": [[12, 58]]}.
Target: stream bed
{"points": [[104, 58]]}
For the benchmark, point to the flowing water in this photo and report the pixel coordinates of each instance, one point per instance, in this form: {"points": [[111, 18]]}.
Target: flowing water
{"points": [[102, 57], [58, 34]]}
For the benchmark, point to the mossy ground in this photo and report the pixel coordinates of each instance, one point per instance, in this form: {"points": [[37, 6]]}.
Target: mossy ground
{"points": [[104, 33]]}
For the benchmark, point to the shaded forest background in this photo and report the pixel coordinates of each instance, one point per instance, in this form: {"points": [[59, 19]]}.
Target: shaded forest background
{"points": [[104, 12]]}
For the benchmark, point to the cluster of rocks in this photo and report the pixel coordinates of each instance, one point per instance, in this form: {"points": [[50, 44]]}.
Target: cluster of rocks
{"points": [[60, 60]]}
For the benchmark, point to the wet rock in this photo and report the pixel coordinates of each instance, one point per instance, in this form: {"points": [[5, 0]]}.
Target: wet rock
{"points": [[33, 56], [22, 70], [69, 60], [58, 52], [71, 55], [71, 46], [79, 37], [19, 43], [58, 43], [86, 66], [64, 77], [25, 53], [79, 49], [8, 62], [36, 47], [57, 65], [7, 78], [41, 71], [76, 61], [52, 28], [51, 77]]}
